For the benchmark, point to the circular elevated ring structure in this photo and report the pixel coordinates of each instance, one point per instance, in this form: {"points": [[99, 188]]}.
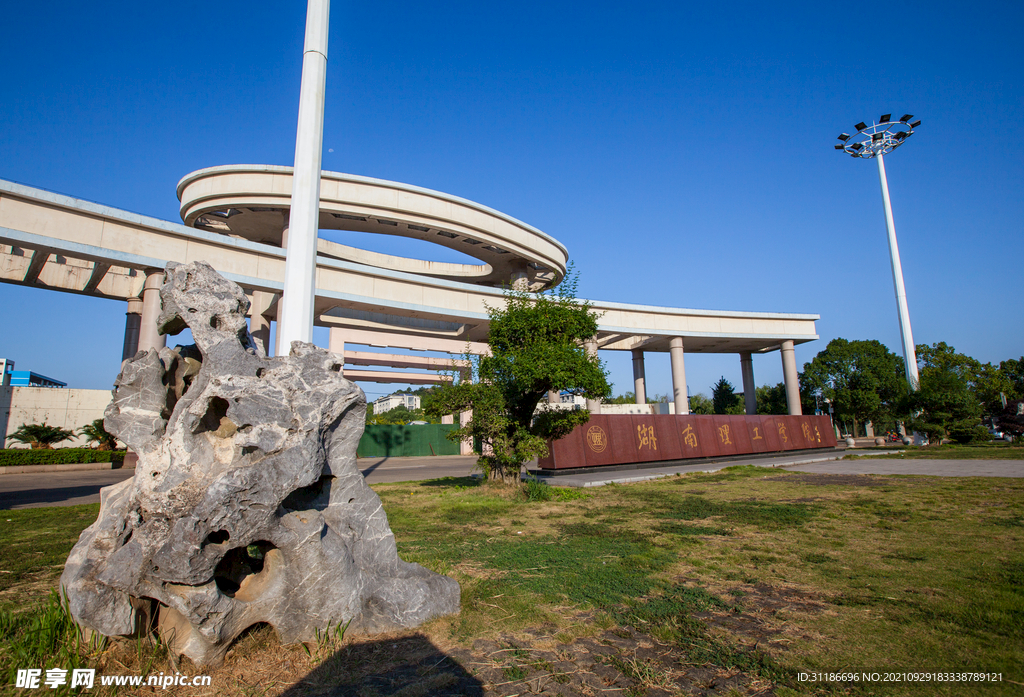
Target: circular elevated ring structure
{"points": [[252, 202]]}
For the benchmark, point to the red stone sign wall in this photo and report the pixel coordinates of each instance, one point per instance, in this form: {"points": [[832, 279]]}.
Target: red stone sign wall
{"points": [[624, 439]]}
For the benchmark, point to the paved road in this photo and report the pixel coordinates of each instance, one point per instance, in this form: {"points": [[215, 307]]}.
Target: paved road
{"points": [[384, 470], [73, 488], [39, 489]]}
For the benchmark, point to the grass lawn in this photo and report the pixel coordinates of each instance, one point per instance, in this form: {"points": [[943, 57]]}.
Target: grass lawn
{"points": [[727, 583]]}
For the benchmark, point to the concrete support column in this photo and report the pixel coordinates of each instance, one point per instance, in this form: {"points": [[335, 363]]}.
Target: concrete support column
{"points": [[520, 279], [593, 405], [554, 397], [789, 375], [749, 395], [284, 245], [466, 446], [149, 337], [639, 380], [675, 350], [336, 343], [259, 326], [132, 325]]}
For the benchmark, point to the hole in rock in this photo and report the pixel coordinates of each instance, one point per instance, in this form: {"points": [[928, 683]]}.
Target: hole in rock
{"points": [[215, 419], [315, 496], [215, 322], [249, 449], [218, 537], [336, 367], [239, 565], [145, 615], [260, 372]]}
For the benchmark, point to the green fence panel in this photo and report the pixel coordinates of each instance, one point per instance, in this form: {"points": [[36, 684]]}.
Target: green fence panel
{"points": [[407, 441]]}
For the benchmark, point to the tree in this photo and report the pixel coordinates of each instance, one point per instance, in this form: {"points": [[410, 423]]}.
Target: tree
{"points": [[536, 344], [944, 407], [628, 398], [1011, 420], [772, 400], [725, 399], [41, 436], [1013, 371], [983, 380], [948, 403], [700, 404], [863, 379], [96, 433]]}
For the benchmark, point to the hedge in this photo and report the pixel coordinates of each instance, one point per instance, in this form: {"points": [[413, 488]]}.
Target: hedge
{"points": [[61, 456]]}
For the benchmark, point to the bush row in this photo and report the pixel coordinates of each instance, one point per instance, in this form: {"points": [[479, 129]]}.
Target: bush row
{"points": [[62, 456]]}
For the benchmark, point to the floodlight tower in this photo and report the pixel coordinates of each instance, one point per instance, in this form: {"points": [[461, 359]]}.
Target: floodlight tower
{"points": [[295, 313], [874, 141]]}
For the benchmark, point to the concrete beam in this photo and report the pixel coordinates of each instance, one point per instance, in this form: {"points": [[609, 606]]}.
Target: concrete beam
{"points": [[99, 270], [35, 267], [386, 376], [391, 360]]}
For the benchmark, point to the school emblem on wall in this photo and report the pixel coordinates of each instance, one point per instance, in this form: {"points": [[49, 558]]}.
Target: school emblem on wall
{"points": [[597, 439]]}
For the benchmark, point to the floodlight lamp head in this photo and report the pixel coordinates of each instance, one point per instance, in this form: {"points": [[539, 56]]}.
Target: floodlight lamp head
{"points": [[879, 138]]}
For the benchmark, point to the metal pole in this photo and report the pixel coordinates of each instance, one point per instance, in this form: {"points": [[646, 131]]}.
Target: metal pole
{"points": [[295, 319], [909, 352]]}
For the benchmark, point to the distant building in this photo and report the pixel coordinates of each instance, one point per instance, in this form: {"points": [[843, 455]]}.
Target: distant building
{"points": [[392, 401], [26, 378], [6, 369]]}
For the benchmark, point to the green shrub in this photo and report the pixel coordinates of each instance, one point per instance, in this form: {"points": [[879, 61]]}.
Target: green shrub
{"points": [[62, 456]]}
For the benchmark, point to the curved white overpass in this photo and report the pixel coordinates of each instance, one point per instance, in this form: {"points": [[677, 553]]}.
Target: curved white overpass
{"points": [[252, 202], [60, 243]]}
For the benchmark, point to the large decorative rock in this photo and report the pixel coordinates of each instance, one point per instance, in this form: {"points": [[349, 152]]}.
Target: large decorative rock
{"points": [[246, 505]]}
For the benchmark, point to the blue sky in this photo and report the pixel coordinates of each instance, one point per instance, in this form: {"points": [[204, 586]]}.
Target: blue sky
{"points": [[681, 151]]}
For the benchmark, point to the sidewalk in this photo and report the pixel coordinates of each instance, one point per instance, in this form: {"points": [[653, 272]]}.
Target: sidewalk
{"points": [[831, 463], [78, 467], [603, 477]]}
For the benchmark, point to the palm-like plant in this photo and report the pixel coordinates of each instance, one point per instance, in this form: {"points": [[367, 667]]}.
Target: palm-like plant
{"points": [[95, 433], [41, 436]]}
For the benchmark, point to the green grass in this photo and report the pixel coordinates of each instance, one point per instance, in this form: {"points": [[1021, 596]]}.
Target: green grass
{"points": [[918, 573], [980, 451], [36, 541]]}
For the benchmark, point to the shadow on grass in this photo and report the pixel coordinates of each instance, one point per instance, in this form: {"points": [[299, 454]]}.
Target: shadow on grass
{"points": [[464, 482], [409, 666]]}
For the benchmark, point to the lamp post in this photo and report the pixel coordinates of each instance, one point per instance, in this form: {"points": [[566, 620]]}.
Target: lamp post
{"points": [[872, 142]]}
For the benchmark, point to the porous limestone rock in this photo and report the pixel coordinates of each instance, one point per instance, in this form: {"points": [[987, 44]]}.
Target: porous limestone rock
{"points": [[246, 505]]}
